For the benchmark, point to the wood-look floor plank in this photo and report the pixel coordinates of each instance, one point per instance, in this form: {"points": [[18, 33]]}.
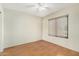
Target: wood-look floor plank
{"points": [[39, 48]]}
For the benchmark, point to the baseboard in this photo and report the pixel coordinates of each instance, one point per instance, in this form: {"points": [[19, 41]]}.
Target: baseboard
{"points": [[62, 46], [21, 44]]}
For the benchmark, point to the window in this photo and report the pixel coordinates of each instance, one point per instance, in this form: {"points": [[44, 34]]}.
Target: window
{"points": [[58, 26]]}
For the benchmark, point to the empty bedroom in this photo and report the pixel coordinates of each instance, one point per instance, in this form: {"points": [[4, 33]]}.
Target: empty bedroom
{"points": [[39, 29]]}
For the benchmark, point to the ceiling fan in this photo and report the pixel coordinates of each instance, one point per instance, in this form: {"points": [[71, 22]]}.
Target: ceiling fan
{"points": [[38, 6]]}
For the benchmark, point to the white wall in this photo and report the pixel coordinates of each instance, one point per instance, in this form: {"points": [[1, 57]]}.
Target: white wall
{"points": [[20, 28], [73, 41], [1, 28]]}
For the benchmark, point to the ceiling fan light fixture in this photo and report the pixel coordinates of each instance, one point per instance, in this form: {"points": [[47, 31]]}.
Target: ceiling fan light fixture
{"points": [[41, 7]]}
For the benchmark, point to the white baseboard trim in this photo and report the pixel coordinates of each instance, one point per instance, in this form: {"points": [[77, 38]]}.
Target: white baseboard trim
{"points": [[64, 46]]}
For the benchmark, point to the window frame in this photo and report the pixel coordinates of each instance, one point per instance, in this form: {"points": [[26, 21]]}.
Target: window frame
{"points": [[56, 18]]}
